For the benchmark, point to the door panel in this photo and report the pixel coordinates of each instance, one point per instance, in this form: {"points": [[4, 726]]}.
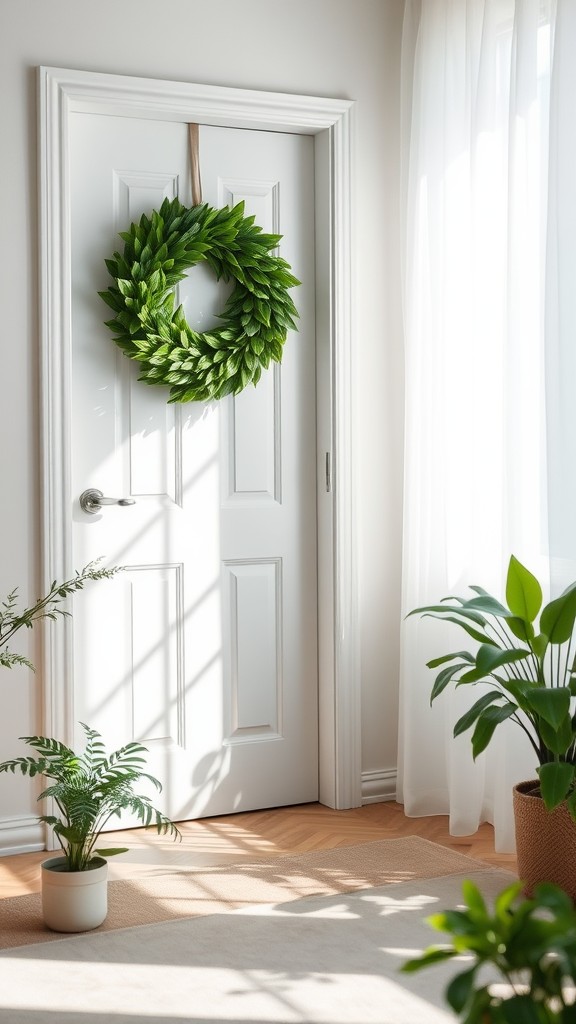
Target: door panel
{"points": [[205, 647]]}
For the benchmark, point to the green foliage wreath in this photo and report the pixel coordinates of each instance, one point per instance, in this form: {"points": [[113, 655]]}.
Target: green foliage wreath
{"points": [[256, 318]]}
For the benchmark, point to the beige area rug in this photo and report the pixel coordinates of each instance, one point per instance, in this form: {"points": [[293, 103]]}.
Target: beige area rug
{"points": [[319, 960], [162, 893]]}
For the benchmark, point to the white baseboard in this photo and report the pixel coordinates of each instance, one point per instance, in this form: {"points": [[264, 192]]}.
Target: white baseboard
{"points": [[379, 786], [26, 834], [21, 835]]}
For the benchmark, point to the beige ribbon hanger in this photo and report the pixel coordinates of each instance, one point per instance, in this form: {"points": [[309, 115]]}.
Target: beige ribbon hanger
{"points": [[194, 148]]}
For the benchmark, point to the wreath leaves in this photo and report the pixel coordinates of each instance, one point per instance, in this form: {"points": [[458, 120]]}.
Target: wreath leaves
{"points": [[258, 314]]}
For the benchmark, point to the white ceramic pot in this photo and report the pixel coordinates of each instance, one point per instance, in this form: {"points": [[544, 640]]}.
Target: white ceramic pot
{"points": [[74, 901]]}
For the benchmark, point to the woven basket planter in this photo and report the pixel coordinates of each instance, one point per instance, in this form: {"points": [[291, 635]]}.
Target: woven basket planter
{"points": [[545, 841]]}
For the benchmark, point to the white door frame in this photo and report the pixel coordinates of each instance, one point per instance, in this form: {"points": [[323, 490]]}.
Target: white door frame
{"points": [[62, 92]]}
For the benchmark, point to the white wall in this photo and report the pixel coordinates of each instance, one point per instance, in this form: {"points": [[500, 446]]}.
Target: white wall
{"points": [[342, 48]]}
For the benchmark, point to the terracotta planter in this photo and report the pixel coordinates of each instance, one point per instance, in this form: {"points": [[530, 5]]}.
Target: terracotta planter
{"points": [[74, 901], [545, 841]]}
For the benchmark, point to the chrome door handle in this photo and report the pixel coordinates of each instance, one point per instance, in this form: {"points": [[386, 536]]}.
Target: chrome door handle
{"points": [[92, 500]]}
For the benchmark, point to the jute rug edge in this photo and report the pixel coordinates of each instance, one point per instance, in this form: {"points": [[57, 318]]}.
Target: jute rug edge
{"points": [[173, 895]]}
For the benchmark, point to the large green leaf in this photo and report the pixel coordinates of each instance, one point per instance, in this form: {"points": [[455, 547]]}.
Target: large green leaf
{"points": [[459, 990], [473, 898], [558, 617], [480, 637], [487, 723], [488, 605], [456, 922], [521, 628], [430, 956], [489, 658], [556, 900], [523, 591], [458, 611], [505, 899], [480, 1009], [556, 780], [518, 688], [551, 704], [557, 740], [445, 677], [465, 655], [540, 645], [469, 718]]}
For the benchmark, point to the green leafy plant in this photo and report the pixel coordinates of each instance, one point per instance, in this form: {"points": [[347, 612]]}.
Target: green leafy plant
{"points": [[157, 252], [525, 653], [531, 944], [88, 790], [48, 607]]}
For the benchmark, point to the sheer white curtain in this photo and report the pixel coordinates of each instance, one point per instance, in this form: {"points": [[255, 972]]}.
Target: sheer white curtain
{"points": [[489, 149]]}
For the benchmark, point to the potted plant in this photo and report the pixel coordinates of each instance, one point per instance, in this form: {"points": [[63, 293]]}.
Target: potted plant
{"points": [[48, 607], [88, 789], [525, 658], [530, 946]]}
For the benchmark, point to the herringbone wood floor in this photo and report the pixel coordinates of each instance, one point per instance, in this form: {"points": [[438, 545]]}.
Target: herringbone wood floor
{"points": [[274, 833]]}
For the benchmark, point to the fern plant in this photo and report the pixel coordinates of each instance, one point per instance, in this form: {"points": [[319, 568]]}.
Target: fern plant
{"points": [[48, 607], [89, 789]]}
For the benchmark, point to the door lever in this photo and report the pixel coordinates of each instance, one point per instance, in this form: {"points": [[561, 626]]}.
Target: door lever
{"points": [[92, 500]]}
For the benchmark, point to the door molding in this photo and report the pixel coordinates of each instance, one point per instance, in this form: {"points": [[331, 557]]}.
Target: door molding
{"points": [[329, 121]]}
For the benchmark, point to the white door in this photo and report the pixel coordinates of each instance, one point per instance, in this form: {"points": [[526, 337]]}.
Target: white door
{"points": [[205, 647]]}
